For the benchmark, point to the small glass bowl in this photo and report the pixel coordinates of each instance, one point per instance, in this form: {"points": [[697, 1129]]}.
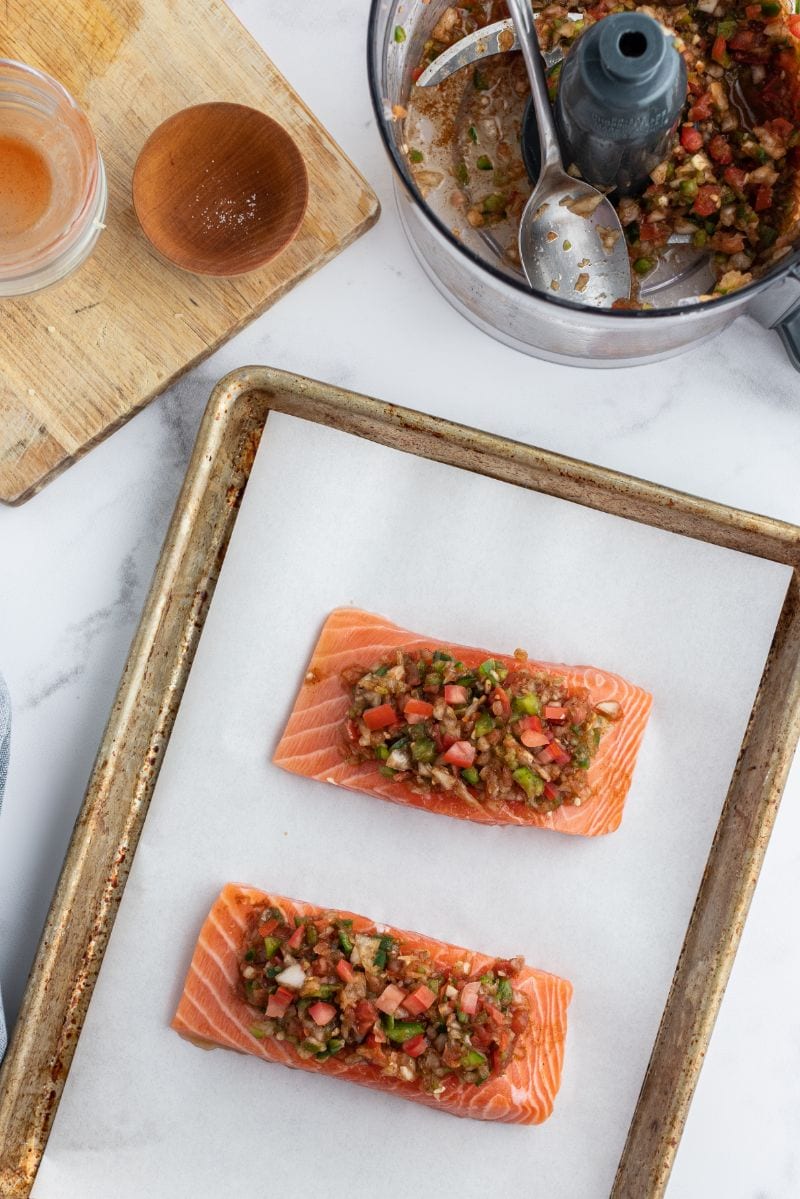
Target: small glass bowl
{"points": [[38, 111]]}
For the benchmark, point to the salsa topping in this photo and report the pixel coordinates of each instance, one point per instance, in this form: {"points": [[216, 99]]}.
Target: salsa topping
{"points": [[487, 734], [731, 182], [364, 997]]}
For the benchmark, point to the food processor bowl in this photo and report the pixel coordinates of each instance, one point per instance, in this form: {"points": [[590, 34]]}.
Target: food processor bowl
{"points": [[496, 298]]}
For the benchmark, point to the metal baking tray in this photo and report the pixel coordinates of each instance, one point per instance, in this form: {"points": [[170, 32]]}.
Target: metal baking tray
{"points": [[107, 830]]}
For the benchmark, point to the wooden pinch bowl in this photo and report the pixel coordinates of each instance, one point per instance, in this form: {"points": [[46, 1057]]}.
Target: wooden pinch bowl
{"points": [[220, 189]]}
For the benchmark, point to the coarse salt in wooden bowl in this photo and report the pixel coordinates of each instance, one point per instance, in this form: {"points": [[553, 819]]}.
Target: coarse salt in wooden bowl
{"points": [[220, 189]]}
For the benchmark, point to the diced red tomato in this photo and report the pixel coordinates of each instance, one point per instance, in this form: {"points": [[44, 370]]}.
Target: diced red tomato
{"points": [[345, 971], [448, 740], [380, 718], [719, 149], [794, 25], [296, 939], [653, 231], [468, 999], [532, 739], [417, 710], [500, 696], [366, 1014], [460, 754], [691, 138], [481, 1036], [735, 177], [373, 1044], [554, 713], [727, 243], [495, 1013], [416, 1045], [559, 754], [415, 74], [455, 696], [419, 1001], [779, 127], [278, 1003], [708, 199], [267, 927], [322, 1013], [533, 723], [390, 999], [743, 39], [719, 52], [550, 792], [753, 12], [701, 109], [763, 198]]}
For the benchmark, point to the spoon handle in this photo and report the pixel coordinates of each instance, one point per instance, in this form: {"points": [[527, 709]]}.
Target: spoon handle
{"points": [[525, 28]]}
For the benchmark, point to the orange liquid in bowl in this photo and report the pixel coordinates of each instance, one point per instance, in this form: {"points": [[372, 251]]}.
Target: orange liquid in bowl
{"points": [[26, 186]]}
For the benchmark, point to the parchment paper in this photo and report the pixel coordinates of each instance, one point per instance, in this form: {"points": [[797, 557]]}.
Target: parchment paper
{"points": [[329, 520]]}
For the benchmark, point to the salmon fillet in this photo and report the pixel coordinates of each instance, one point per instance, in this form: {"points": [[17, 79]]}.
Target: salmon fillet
{"points": [[313, 744], [211, 1013]]}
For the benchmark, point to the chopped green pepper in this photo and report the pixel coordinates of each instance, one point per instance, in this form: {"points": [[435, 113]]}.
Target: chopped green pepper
{"points": [[385, 947], [271, 946], [473, 1058], [494, 203], [399, 33], [688, 188], [643, 265], [249, 956], [727, 28], [257, 1032], [462, 174], [531, 783], [471, 776], [386, 771], [490, 669], [484, 163], [527, 704], [403, 1030], [311, 934], [473, 133], [483, 725], [440, 656], [504, 992], [416, 155], [423, 750], [346, 941], [382, 752]]}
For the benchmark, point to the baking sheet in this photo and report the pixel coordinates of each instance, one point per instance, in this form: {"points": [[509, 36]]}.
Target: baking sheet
{"points": [[328, 519]]}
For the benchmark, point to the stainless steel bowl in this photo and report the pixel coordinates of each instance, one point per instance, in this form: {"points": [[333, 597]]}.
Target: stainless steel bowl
{"points": [[496, 299]]}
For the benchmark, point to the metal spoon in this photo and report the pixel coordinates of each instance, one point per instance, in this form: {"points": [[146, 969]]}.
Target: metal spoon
{"points": [[570, 237]]}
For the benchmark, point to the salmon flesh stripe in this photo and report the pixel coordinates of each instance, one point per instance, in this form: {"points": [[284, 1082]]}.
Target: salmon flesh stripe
{"points": [[212, 1014], [313, 743]]}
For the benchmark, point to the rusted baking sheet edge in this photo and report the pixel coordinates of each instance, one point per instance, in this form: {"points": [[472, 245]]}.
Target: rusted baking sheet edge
{"points": [[127, 766]]}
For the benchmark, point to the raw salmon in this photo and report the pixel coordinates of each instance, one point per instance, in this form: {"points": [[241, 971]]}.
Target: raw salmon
{"points": [[211, 1013], [313, 743]]}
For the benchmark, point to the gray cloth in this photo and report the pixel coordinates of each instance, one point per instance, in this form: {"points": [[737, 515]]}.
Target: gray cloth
{"points": [[5, 740]]}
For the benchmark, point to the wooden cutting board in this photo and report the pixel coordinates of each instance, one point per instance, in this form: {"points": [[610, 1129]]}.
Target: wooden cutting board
{"points": [[79, 360]]}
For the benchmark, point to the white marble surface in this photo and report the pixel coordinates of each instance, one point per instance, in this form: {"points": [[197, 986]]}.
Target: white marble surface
{"points": [[722, 421]]}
